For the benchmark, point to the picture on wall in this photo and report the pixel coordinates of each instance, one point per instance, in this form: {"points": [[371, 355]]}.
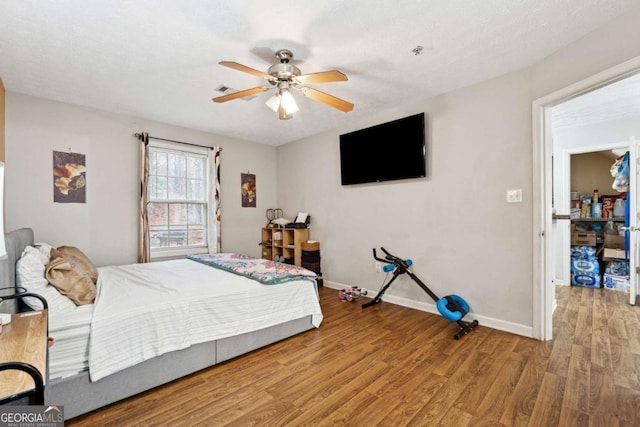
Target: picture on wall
{"points": [[248, 181], [69, 177]]}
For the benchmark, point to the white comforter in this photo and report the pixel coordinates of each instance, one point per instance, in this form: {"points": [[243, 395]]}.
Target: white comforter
{"points": [[144, 310]]}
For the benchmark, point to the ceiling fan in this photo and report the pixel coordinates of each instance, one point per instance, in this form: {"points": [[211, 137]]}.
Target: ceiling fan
{"points": [[284, 76]]}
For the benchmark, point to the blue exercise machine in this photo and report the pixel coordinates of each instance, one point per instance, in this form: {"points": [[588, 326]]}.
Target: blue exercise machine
{"points": [[452, 307]]}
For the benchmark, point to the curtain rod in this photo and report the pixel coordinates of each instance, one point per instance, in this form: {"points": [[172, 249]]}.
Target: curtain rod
{"points": [[137, 135]]}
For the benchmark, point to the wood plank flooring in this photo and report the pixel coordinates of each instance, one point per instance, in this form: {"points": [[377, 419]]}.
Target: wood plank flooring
{"points": [[393, 366]]}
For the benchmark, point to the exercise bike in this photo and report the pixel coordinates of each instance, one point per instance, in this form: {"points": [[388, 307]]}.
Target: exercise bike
{"points": [[451, 307]]}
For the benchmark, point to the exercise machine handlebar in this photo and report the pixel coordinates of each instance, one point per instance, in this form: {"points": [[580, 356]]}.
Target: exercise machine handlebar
{"points": [[392, 261]]}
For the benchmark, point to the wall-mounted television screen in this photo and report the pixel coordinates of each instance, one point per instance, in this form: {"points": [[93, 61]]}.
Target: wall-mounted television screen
{"points": [[385, 152]]}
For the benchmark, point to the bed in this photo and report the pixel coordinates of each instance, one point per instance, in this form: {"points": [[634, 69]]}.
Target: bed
{"points": [[184, 326]]}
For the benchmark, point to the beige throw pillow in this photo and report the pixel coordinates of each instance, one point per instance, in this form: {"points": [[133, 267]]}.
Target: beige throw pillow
{"points": [[71, 252], [69, 274]]}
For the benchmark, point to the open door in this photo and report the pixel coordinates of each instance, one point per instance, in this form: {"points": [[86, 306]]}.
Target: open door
{"points": [[633, 207]]}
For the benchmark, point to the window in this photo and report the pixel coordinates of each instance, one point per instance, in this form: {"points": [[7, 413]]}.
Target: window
{"points": [[178, 201]]}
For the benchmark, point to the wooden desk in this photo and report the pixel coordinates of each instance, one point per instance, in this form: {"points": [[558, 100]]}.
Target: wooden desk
{"points": [[23, 340]]}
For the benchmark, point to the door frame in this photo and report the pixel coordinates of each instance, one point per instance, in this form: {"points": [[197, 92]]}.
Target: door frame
{"points": [[632, 211], [543, 253]]}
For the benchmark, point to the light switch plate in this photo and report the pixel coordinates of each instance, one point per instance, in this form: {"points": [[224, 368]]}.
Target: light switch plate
{"points": [[514, 196]]}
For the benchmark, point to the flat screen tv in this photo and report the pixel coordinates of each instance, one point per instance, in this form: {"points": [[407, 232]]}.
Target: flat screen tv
{"points": [[385, 152]]}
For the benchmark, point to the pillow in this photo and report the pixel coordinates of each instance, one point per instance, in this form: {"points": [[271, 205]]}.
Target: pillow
{"points": [[30, 275], [45, 250], [69, 276], [83, 261]]}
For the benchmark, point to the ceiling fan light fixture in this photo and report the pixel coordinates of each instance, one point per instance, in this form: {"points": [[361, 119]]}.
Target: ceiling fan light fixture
{"points": [[274, 102], [288, 102]]}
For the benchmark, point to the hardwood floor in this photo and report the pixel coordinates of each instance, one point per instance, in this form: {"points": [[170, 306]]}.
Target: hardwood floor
{"points": [[393, 366]]}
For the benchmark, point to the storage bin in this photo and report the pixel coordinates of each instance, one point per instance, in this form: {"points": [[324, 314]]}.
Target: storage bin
{"points": [[310, 246], [310, 258]]}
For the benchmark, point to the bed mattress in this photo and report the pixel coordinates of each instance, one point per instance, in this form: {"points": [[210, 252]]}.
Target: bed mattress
{"points": [[145, 310], [69, 354]]}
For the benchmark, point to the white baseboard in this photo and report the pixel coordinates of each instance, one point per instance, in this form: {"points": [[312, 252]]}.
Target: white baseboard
{"points": [[490, 322]]}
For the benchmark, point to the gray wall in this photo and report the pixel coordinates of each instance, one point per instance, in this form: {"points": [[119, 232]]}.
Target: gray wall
{"points": [[456, 225], [106, 227]]}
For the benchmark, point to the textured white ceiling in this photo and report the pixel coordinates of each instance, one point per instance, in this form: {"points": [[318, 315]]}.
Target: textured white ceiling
{"points": [[616, 101], [159, 59]]}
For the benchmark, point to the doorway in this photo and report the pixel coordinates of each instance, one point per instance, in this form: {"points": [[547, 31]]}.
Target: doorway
{"points": [[544, 149], [583, 171]]}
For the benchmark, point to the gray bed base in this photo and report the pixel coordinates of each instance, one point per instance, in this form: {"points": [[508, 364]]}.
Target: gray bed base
{"points": [[79, 395]]}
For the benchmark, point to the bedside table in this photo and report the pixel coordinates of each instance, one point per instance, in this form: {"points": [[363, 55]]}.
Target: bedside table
{"points": [[23, 357]]}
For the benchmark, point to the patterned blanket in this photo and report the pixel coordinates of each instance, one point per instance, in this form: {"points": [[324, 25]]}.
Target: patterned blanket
{"points": [[262, 270]]}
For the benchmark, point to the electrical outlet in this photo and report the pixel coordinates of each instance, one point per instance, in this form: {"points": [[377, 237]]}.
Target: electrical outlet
{"points": [[378, 267]]}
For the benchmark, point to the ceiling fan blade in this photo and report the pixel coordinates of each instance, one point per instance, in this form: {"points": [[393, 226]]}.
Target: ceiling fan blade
{"points": [[283, 114], [240, 94], [322, 77], [325, 98], [246, 69]]}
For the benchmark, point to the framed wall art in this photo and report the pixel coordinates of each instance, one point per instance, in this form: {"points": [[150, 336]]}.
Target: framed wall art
{"points": [[248, 190], [69, 177]]}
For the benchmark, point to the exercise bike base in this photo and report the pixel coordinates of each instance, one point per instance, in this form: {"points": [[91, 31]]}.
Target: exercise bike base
{"points": [[464, 330], [370, 303]]}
